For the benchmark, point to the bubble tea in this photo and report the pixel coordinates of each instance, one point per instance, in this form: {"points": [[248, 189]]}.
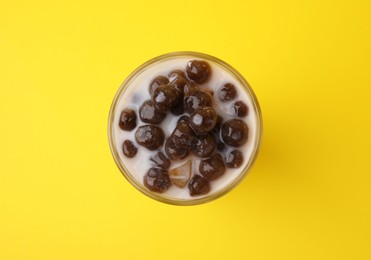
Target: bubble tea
{"points": [[185, 128]]}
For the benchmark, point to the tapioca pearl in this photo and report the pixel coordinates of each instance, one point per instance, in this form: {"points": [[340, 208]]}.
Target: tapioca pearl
{"points": [[213, 167], [157, 180], [203, 120], [156, 82], [128, 119], [227, 92], [129, 149], [198, 71], [240, 108], [149, 136], [234, 132], [198, 185], [148, 113]]}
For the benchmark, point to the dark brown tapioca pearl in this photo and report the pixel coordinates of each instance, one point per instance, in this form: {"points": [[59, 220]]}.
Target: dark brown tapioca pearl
{"points": [[190, 88], [227, 92], [213, 167], [183, 119], [128, 119], [203, 146], [234, 132], [198, 99], [174, 152], [175, 74], [149, 136], [165, 97], [233, 158], [240, 108], [183, 135], [198, 71], [156, 82], [129, 149], [148, 113], [198, 186], [160, 160], [203, 120], [157, 180]]}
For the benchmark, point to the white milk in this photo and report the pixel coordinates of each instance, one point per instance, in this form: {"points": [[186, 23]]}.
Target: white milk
{"points": [[137, 92]]}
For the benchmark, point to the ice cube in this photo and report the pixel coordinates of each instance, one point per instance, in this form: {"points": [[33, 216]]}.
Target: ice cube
{"points": [[181, 175]]}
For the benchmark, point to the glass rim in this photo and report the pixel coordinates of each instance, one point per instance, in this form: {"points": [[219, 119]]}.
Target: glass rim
{"points": [[195, 200]]}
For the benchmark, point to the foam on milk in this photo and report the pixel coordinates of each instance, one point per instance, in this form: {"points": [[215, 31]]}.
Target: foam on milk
{"points": [[137, 92]]}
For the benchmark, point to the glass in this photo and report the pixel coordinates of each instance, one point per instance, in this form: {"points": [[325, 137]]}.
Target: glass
{"points": [[194, 200]]}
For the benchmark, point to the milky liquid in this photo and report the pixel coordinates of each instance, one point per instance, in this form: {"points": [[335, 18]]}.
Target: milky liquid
{"points": [[137, 92]]}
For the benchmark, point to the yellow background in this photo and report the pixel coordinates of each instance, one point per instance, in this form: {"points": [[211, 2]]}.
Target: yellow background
{"points": [[308, 195]]}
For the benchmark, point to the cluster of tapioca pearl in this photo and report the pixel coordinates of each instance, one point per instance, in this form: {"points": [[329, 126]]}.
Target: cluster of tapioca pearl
{"points": [[200, 131]]}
